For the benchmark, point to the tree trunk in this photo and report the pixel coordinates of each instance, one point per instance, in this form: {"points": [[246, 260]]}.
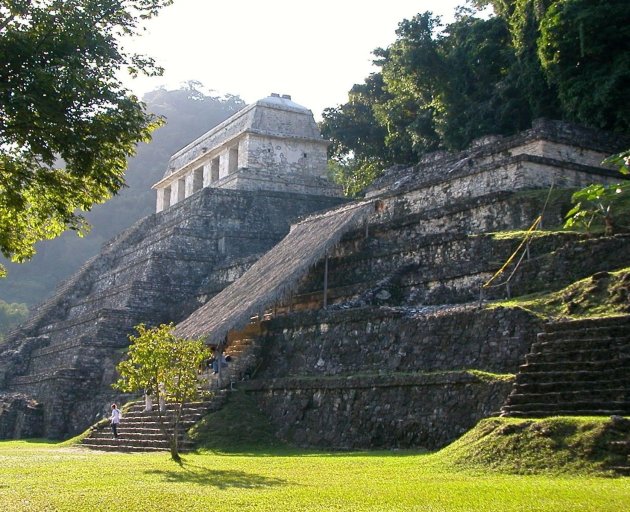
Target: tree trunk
{"points": [[174, 441], [609, 225]]}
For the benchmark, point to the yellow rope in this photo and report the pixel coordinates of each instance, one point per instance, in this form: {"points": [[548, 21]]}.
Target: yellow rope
{"points": [[509, 260]]}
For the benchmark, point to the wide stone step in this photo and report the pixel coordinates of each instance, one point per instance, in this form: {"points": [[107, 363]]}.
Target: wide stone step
{"points": [[135, 435], [576, 366], [122, 444], [585, 407], [149, 424], [621, 470], [521, 387], [517, 413], [576, 356], [138, 407], [620, 447], [121, 447], [589, 323], [154, 416], [567, 345], [577, 334], [603, 396], [616, 374]]}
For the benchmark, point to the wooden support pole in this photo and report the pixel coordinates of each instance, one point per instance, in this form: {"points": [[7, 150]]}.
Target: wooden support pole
{"points": [[326, 280]]}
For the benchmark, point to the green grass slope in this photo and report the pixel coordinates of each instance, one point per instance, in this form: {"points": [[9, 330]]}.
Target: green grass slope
{"points": [[238, 426], [557, 445]]}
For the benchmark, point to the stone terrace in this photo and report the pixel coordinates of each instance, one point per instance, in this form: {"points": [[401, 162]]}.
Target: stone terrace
{"points": [[405, 355], [157, 271]]}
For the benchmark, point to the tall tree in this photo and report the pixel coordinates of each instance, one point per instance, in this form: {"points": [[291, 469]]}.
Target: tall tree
{"points": [[439, 88], [584, 48], [412, 67], [67, 124], [358, 150]]}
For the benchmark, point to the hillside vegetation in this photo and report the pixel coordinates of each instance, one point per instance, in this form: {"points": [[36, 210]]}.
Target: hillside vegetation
{"points": [[440, 86]]}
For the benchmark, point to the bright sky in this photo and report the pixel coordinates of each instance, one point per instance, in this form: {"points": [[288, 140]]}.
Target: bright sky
{"points": [[315, 51]]}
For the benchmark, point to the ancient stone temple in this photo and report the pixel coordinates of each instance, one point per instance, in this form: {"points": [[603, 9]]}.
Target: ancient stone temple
{"points": [[273, 144], [351, 324], [56, 370]]}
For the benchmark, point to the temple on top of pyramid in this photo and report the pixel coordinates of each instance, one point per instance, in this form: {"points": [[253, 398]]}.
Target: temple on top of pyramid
{"points": [[272, 144]]}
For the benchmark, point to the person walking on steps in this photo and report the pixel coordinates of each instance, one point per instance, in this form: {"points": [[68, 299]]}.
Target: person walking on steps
{"points": [[115, 420]]}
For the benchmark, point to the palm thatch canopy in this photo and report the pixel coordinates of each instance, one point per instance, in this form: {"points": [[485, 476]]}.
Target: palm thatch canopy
{"points": [[274, 276]]}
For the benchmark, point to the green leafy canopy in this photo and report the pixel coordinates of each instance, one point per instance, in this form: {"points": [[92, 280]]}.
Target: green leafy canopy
{"points": [[601, 203], [67, 124]]}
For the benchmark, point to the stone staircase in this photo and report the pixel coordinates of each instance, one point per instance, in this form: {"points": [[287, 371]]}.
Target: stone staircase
{"points": [[139, 430], [579, 367], [243, 353], [620, 446]]}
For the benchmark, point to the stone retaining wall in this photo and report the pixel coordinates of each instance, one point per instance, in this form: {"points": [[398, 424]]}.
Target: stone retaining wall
{"points": [[387, 377], [423, 410]]}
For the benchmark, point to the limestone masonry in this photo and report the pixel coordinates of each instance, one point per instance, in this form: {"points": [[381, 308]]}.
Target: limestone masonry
{"points": [[375, 333], [273, 144]]}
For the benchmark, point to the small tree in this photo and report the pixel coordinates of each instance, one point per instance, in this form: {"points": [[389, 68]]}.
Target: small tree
{"points": [[598, 202], [162, 364]]}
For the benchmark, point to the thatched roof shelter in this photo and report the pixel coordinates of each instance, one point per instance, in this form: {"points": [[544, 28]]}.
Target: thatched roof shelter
{"points": [[274, 276]]}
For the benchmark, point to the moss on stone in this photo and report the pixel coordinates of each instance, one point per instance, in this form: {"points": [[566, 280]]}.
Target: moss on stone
{"points": [[491, 377], [601, 295], [238, 425]]}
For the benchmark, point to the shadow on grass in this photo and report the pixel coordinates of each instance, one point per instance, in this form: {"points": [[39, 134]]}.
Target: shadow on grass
{"points": [[290, 451], [36, 440], [221, 479]]}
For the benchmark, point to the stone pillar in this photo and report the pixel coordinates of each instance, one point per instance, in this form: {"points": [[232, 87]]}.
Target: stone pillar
{"points": [[207, 174], [163, 199], [233, 160], [174, 192], [224, 164], [189, 184]]}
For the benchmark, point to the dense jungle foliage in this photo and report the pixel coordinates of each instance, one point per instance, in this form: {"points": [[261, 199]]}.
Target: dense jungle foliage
{"points": [[441, 86]]}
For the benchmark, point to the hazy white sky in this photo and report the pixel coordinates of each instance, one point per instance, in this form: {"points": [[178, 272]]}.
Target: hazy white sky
{"points": [[315, 51]]}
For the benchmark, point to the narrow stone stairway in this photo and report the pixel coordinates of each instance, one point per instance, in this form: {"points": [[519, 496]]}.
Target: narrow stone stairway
{"points": [[621, 446], [139, 430], [579, 367]]}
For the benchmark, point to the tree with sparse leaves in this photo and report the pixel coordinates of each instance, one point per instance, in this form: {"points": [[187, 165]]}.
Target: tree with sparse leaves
{"points": [[67, 124], [165, 366]]}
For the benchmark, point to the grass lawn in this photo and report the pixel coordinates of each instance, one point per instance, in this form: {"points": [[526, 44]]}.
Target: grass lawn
{"points": [[38, 476]]}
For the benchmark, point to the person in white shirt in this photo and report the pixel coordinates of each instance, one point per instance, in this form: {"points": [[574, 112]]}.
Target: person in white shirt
{"points": [[115, 420]]}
